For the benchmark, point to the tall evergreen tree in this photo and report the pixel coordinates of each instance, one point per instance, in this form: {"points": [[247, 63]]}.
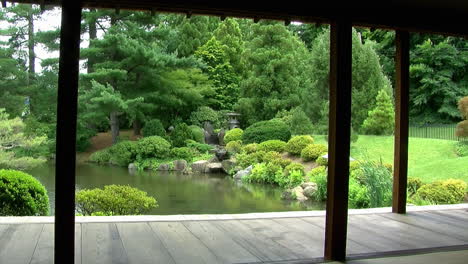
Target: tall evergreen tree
{"points": [[381, 119]]}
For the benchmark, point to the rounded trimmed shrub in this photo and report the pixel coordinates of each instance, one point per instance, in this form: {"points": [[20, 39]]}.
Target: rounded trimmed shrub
{"points": [[181, 133], [413, 185], [250, 148], [449, 191], [233, 135], [22, 195], [234, 146], [153, 147], [101, 156], [297, 143], [358, 195], [123, 153], [272, 145], [184, 153], [202, 114], [266, 130], [315, 172], [321, 161], [200, 147], [276, 158], [294, 166], [244, 159], [153, 128], [313, 151], [114, 200], [197, 134]]}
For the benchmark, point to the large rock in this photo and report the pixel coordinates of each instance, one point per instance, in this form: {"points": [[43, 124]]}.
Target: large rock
{"points": [[214, 167], [213, 159], [296, 193], [180, 165], [199, 166], [164, 167], [309, 191], [132, 167], [242, 173], [229, 165], [221, 154], [221, 135]]}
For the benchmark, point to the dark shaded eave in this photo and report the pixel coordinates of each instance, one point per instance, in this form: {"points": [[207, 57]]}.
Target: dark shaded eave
{"points": [[448, 17]]}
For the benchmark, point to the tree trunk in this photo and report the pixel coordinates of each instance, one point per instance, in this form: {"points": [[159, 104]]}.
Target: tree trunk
{"points": [[92, 35], [114, 123], [136, 127], [31, 42]]}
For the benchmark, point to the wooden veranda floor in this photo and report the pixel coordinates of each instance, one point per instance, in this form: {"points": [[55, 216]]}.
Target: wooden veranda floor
{"points": [[235, 240]]}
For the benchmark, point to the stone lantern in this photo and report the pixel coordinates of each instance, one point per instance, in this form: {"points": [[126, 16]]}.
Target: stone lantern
{"points": [[232, 120]]}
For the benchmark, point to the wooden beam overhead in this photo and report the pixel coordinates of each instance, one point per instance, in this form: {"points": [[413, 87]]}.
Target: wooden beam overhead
{"points": [[400, 172], [339, 140], [66, 132]]}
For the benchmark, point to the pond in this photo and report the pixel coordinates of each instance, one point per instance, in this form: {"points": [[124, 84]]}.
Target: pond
{"points": [[177, 193]]}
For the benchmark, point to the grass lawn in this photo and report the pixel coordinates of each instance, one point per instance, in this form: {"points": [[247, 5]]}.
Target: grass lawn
{"points": [[429, 159]]}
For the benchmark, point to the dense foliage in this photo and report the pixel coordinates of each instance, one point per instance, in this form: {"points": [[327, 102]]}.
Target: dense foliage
{"points": [[22, 195], [443, 192], [266, 130], [297, 143], [381, 119], [114, 200], [313, 151], [153, 128], [233, 135]]}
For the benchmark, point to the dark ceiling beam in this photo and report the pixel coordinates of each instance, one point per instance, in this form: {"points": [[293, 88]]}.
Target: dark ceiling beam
{"points": [[428, 16]]}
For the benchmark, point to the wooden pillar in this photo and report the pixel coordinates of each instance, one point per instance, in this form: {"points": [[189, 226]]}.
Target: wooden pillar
{"points": [[400, 175], [339, 140], [66, 132]]}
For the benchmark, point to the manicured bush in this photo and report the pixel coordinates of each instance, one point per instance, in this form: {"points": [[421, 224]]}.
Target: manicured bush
{"points": [[233, 135], [184, 153], [413, 185], [153, 128], [250, 148], [315, 172], [244, 160], [294, 166], [114, 200], [234, 146], [22, 195], [358, 195], [449, 191], [297, 143], [272, 145], [123, 153], [180, 134], [321, 161], [266, 130], [200, 147], [202, 114], [313, 151], [264, 173], [276, 158], [461, 148], [101, 156], [153, 147], [197, 134]]}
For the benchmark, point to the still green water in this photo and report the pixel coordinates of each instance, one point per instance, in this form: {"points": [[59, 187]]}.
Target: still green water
{"points": [[177, 193]]}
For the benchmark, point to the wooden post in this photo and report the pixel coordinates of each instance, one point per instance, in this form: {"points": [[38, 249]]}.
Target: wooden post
{"points": [[400, 176], [339, 140], [66, 132]]}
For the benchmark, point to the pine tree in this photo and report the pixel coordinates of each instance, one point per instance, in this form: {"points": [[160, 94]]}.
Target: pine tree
{"points": [[462, 127], [381, 119]]}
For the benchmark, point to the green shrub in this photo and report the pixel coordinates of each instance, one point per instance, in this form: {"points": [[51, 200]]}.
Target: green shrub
{"points": [[153, 128], [443, 192], [266, 130], [313, 151], [153, 147], [197, 134], [321, 180], [272, 145], [180, 134], [354, 165], [297, 120], [312, 174], [184, 153], [250, 148], [294, 166], [321, 161], [358, 195], [379, 182], [276, 158], [413, 185], [123, 153], [461, 148], [233, 135], [297, 143], [264, 173], [200, 147], [234, 146], [203, 114], [101, 156], [22, 195], [244, 160], [290, 179], [114, 200], [380, 120]]}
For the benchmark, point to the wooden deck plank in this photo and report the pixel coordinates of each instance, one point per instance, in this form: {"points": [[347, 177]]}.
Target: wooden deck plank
{"points": [[265, 247], [442, 218], [101, 244], [353, 246], [183, 246], [461, 215], [142, 245], [431, 224], [398, 231], [18, 243], [221, 245]]}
